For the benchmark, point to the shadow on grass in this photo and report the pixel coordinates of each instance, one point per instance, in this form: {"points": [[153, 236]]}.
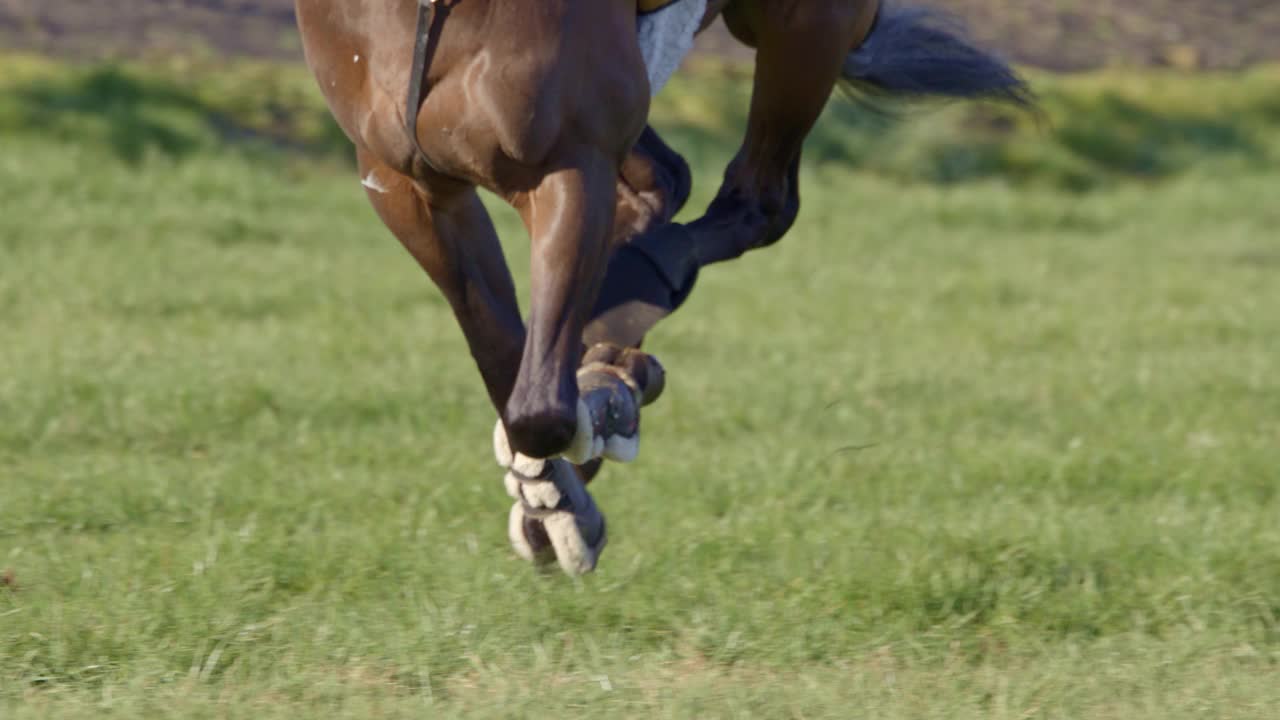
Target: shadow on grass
{"points": [[133, 116], [1120, 136]]}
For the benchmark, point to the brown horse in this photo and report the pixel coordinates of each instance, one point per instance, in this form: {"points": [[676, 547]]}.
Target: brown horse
{"points": [[544, 103]]}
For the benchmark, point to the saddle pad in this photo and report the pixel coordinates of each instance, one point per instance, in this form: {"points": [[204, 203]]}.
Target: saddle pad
{"points": [[666, 29]]}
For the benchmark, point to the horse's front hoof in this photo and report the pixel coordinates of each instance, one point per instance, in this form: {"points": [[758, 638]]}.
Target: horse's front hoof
{"points": [[608, 422], [555, 518], [612, 386]]}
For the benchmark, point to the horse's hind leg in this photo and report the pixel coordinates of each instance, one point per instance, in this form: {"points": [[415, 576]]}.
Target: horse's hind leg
{"points": [[653, 185], [639, 289], [801, 47], [801, 50]]}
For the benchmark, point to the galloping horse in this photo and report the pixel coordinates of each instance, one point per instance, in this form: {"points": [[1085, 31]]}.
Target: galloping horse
{"points": [[545, 104]]}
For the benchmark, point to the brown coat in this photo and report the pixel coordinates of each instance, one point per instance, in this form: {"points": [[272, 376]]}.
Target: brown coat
{"points": [[651, 5]]}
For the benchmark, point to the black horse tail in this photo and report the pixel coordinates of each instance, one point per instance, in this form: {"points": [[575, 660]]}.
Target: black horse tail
{"points": [[918, 53]]}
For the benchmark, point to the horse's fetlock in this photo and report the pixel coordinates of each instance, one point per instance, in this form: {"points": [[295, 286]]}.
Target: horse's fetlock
{"points": [[542, 432]]}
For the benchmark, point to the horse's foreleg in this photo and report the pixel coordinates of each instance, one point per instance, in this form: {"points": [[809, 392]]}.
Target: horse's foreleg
{"points": [[569, 217], [453, 239], [554, 517]]}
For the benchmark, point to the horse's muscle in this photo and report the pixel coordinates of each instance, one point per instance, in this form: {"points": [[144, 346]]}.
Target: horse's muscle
{"points": [[510, 83]]}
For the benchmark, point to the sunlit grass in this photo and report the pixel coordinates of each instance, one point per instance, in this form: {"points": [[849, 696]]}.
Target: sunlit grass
{"points": [[992, 448]]}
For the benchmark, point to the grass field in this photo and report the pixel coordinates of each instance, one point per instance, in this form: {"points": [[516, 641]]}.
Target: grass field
{"points": [[995, 432]]}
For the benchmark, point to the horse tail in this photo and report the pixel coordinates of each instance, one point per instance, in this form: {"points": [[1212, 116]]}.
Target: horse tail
{"points": [[917, 53]]}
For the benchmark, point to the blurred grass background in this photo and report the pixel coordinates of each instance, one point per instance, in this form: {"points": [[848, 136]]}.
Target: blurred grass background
{"points": [[1053, 34], [1006, 445], [1096, 129]]}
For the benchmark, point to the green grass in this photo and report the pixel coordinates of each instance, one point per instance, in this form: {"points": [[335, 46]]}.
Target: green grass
{"points": [[966, 444]]}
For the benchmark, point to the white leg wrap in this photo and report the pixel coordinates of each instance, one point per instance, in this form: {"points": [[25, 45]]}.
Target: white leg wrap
{"points": [[502, 446], [554, 517], [573, 553], [586, 445], [567, 512], [510, 460], [521, 544], [550, 493]]}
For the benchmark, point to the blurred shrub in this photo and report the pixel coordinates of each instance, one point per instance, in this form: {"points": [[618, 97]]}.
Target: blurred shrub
{"points": [[174, 108], [1094, 129]]}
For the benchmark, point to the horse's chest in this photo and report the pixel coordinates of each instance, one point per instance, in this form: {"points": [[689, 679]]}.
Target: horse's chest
{"points": [[521, 89], [526, 115]]}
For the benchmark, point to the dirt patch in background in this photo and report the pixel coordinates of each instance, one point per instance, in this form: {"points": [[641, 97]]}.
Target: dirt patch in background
{"points": [[1077, 35], [1055, 34], [105, 28]]}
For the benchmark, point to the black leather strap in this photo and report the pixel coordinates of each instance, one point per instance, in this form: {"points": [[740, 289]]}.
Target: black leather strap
{"points": [[424, 45]]}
